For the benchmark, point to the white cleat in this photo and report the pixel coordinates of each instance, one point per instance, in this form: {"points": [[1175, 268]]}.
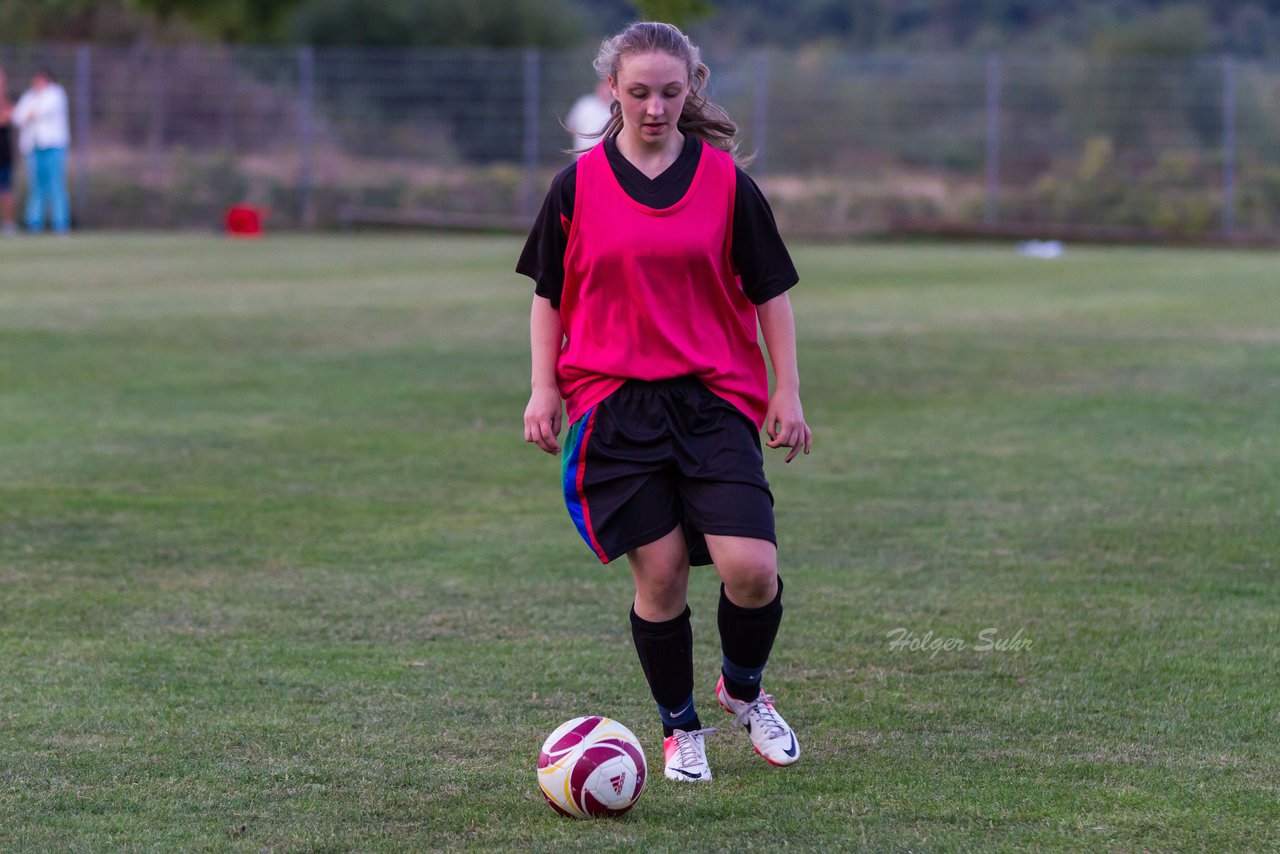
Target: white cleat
{"points": [[770, 735], [686, 756]]}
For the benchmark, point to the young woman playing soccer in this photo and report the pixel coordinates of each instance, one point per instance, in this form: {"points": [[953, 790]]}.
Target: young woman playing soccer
{"points": [[655, 257]]}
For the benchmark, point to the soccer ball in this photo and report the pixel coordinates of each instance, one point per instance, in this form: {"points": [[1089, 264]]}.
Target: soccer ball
{"points": [[591, 767]]}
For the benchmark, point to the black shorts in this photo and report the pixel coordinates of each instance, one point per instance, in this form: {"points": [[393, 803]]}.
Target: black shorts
{"points": [[6, 177], [654, 455]]}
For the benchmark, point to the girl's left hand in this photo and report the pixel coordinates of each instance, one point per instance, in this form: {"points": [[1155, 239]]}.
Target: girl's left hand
{"points": [[785, 425]]}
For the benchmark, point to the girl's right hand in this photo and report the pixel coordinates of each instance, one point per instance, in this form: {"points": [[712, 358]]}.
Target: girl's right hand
{"points": [[542, 419]]}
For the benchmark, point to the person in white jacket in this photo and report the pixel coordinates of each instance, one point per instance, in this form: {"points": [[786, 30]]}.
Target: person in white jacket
{"points": [[44, 134], [588, 117]]}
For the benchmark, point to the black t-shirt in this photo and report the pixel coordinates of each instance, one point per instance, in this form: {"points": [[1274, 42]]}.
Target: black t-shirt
{"points": [[759, 256]]}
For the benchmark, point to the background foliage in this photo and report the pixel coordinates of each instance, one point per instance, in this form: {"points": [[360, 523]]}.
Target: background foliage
{"points": [[1149, 27]]}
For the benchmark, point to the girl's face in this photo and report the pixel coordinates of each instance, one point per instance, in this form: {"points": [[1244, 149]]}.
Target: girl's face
{"points": [[651, 88]]}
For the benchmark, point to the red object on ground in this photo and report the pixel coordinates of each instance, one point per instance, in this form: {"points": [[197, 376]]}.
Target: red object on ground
{"points": [[245, 221]]}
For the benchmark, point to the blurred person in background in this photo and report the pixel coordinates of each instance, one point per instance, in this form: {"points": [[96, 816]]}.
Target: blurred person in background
{"points": [[588, 117], [45, 135], [6, 159]]}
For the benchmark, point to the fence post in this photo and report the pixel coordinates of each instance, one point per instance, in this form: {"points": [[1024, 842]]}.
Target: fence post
{"points": [[532, 86], [306, 93], [760, 111], [993, 139], [83, 103], [1228, 146], [229, 77], [155, 133]]}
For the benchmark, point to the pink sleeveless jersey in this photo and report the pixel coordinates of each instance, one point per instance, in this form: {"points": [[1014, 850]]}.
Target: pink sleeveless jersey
{"points": [[650, 294]]}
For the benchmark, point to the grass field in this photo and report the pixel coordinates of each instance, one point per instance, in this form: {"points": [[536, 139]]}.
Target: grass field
{"points": [[278, 573]]}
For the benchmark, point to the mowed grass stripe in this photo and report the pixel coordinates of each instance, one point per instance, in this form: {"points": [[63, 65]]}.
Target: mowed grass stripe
{"points": [[277, 571]]}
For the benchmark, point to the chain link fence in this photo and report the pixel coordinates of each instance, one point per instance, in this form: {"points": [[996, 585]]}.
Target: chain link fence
{"points": [[846, 143]]}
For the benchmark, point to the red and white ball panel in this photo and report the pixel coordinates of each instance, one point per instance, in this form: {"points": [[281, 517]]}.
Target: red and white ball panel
{"points": [[591, 766]]}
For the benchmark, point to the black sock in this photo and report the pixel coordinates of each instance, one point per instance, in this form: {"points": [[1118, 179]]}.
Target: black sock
{"points": [[746, 637], [666, 657]]}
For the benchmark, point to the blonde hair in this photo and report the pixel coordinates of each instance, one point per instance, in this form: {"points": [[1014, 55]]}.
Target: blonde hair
{"points": [[701, 117]]}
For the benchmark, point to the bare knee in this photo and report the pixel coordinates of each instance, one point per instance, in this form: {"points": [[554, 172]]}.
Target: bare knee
{"points": [[661, 571], [748, 567], [752, 589]]}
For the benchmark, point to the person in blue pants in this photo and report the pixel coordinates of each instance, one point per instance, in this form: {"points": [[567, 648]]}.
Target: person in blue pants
{"points": [[44, 136]]}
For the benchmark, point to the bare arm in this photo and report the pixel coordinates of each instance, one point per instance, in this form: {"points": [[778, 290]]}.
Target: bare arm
{"points": [[542, 417], [784, 423]]}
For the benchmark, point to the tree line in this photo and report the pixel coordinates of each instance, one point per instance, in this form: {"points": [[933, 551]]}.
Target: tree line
{"points": [[1142, 27]]}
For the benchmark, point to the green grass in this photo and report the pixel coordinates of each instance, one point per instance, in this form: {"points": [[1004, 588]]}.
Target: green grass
{"points": [[278, 573]]}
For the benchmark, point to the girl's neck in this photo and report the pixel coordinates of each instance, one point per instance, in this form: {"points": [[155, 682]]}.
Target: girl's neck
{"points": [[652, 161]]}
